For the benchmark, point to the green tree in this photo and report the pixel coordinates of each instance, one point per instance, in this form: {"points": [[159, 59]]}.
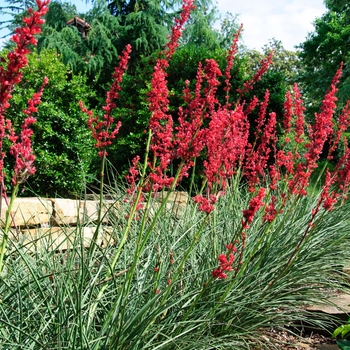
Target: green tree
{"points": [[200, 29], [144, 24], [322, 53], [208, 28], [16, 10], [336, 4], [62, 142], [94, 54]]}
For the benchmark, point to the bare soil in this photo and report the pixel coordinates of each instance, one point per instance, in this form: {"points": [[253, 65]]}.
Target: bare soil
{"points": [[282, 340]]}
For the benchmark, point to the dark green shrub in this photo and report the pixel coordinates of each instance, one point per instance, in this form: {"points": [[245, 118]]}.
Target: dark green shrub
{"points": [[62, 142]]}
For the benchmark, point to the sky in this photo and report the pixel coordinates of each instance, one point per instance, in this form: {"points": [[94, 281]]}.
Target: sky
{"points": [[287, 20]]}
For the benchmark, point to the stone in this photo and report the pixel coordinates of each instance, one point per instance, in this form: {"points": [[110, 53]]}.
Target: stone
{"points": [[303, 346], [176, 202], [57, 238], [28, 212], [175, 196], [327, 347], [72, 211], [337, 305]]}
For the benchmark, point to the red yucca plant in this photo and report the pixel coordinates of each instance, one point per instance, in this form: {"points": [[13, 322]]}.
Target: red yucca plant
{"points": [[204, 127], [220, 134], [21, 149], [123, 296]]}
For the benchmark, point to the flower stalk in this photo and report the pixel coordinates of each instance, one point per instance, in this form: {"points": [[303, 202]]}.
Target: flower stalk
{"points": [[20, 148]]}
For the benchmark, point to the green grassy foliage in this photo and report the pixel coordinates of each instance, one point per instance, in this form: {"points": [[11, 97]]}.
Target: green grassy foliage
{"points": [[160, 294]]}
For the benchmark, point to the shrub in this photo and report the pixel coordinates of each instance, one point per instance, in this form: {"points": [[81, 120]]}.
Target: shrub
{"points": [[63, 146]]}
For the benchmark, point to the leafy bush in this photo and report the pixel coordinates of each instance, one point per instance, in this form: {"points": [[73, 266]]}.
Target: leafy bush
{"points": [[63, 145]]}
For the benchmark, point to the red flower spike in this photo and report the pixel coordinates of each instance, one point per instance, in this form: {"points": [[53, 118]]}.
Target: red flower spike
{"points": [[252, 104], [256, 160], [176, 30], [270, 210], [22, 150], [161, 122], [323, 128], [288, 113], [225, 262], [248, 85], [262, 114], [342, 172], [226, 143], [205, 204], [229, 58], [106, 129], [343, 124], [328, 198], [298, 109], [191, 138], [319, 133], [10, 75], [254, 205]]}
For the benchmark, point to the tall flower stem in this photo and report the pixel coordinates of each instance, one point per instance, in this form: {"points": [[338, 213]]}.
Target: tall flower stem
{"points": [[123, 238], [8, 219], [193, 175], [92, 246]]}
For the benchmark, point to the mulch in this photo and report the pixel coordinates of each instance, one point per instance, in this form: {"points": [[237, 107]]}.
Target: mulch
{"points": [[282, 340]]}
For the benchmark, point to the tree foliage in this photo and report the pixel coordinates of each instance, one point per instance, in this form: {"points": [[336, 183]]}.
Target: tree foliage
{"points": [[208, 28], [324, 50], [16, 9], [96, 54], [144, 24], [285, 61]]}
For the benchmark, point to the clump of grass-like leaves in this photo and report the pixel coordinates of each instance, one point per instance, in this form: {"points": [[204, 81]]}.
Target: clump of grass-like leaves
{"points": [[249, 251], [165, 297]]}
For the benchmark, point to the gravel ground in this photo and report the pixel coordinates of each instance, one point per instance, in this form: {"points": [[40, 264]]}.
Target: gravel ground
{"points": [[285, 341]]}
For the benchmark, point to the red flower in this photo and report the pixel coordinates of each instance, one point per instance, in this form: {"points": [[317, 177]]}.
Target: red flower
{"points": [[205, 204], [161, 122], [343, 124], [10, 75], [22, 150], [229, 58], [254, 205], [256, 160], [176, 30], [265, 63], [328, 197], [319, 133], [225, 262], [270, 210], [105, 130], [299, 113]]}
